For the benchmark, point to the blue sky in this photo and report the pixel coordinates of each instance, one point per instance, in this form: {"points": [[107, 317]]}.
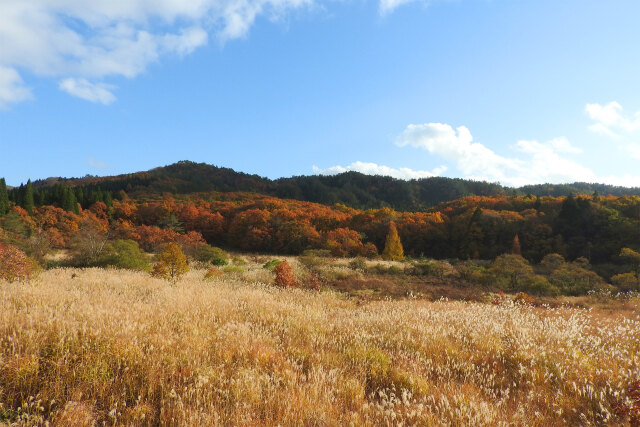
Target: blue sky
{"points": [[512, 91]]}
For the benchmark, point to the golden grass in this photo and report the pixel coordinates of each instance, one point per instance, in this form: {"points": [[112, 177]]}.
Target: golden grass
{"points": [[121, 348]]}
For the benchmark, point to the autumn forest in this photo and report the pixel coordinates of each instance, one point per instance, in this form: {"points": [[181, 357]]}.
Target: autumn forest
{"points": [[588, 230]]}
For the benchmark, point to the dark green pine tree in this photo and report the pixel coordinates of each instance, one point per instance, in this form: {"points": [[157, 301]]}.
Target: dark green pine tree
{"points": [[27, 201], [80, 196], [4, 197], [69, 201]]}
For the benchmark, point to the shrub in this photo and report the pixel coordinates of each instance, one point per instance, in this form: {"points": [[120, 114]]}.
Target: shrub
{"points": [[552, 262], [210, 254], [539, 285], [15, 265], [422, 268], [312, 261], [238, 260], [358, 264], [472, 272], [432, 268], [572, 279], [271, 265], [172, 263], [626, 282], [511, 271], [284, 275], [314, 281], [124, 254], [233, 269]]}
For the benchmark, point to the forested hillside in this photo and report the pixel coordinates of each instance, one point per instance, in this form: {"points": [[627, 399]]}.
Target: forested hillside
{"points": [[351, 188]]}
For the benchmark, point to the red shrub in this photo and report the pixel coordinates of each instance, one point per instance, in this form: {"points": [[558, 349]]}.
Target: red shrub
{"points": [[15, 265], [284, 275]]}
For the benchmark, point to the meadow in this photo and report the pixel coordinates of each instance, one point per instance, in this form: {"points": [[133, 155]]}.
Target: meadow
{"points": [[118, 347]]}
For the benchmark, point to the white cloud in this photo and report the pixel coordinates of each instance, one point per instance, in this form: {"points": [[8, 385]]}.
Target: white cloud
{"points": [[12, 88], [562, 145], [545, 164], [94, 92], [610, 119], [90, 41], [375, 169], [542, 162], [474, 160]]}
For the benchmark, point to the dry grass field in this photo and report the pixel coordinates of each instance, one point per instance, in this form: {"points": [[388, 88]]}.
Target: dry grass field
{"points": [[112, 347]]}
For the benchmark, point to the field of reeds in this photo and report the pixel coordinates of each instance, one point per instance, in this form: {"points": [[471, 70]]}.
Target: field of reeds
{"points": [[115, 347]]}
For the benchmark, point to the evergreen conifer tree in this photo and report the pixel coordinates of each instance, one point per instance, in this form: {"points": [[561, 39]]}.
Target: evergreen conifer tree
{"points": [[4, 197], [107, 199], [27, 201], [69, 201]]}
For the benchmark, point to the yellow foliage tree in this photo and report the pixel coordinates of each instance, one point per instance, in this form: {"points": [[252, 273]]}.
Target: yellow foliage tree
{"points": [[393, 246], [172, 263]]}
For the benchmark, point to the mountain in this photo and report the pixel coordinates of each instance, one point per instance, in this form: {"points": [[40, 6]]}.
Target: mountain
{"points": [[350, 188]]}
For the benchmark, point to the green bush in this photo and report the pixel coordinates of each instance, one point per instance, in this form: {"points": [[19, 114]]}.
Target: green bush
{"points": [[233, 269], [313, 258], [626, 281], [358, 264], [123, 254], [539, 285], [271, 265], [573, 279], [552, 262], [511, 272], [383, 269], [422, 268], [210, 254], [432, 268], [472, 272], [238, 260]]}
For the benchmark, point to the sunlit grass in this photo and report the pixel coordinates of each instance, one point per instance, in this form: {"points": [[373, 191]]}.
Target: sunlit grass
{"points": [[122, 348]]}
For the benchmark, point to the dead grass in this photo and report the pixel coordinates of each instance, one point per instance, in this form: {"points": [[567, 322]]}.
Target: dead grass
{"points": [[120, 348]]}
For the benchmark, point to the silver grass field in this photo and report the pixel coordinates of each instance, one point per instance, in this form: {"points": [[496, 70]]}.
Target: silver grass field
{"points": [[116, 347]]}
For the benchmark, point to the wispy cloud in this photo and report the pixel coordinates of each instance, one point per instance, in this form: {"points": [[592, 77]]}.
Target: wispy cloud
{"points": [[611, 121], [97, 164], [94, 92]]}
